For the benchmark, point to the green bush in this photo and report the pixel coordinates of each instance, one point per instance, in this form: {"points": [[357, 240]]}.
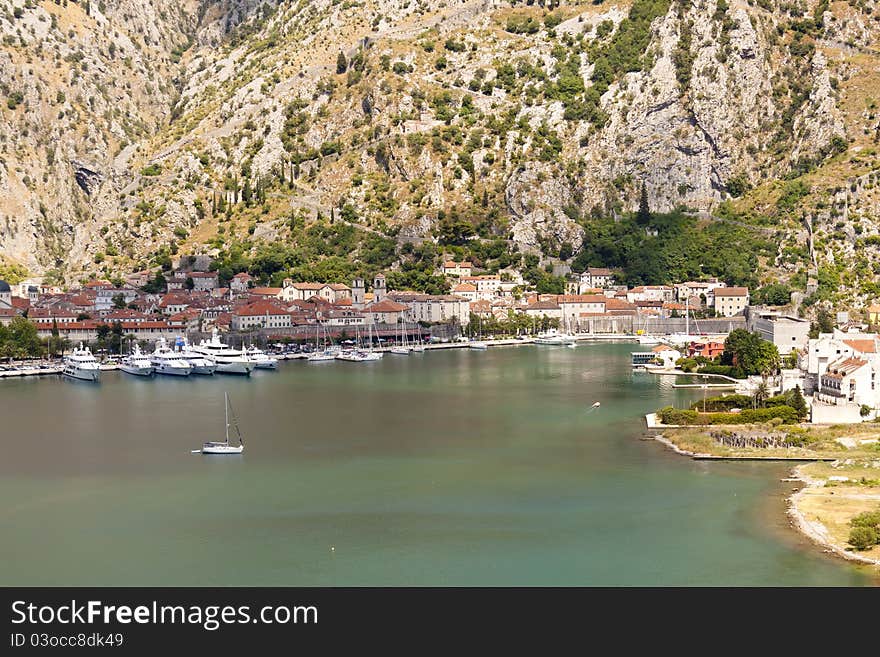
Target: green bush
{"points": [[863, 538], [152, 169], [670, 415]]}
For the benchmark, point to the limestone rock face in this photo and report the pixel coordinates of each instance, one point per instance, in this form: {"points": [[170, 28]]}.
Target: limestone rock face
{"points": [[131, 121]]}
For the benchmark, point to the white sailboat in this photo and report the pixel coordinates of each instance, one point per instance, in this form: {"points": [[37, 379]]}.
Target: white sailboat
{"points": [[81, 364], [401, 348], [224, 447], [137, 363], [324, 355], [478, 344]]}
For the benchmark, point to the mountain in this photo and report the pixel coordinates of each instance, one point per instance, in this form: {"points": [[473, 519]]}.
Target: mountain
{"points": [[297, 136]]}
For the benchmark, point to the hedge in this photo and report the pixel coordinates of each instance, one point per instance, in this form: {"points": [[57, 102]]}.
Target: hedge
{"points": [[670, 415], [723, 403], [724, 370]]}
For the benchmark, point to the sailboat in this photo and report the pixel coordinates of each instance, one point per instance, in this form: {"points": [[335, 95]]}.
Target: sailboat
{"points": [[478, 343], [224, 447], [324, 355], [401, 349]]}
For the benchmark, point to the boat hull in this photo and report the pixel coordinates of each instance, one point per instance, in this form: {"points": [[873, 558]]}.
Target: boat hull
{"points": [[238, 368], [222, 449], [137, 371], [82, 375], [173, 371], [270, 364]]}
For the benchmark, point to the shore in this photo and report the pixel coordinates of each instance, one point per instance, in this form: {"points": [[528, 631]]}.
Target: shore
{"points": [[840, 478]]}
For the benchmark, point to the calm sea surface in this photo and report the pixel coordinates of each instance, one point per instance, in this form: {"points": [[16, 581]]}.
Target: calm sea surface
{"points": [[446, 468]]}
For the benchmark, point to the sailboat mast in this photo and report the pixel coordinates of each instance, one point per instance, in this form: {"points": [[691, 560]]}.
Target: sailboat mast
{"points": [[226, 409], [687, 316]]}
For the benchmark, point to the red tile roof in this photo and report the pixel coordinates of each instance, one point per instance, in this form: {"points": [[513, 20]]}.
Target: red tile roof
{"points": [[864, 346]]}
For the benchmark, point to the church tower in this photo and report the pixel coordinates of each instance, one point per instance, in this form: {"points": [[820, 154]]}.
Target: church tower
{"points": [[358, 293], [379, 291]]}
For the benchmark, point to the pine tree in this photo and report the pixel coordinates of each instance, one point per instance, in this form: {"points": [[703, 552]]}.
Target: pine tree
{"points": [[798, 403], [341, 63], [643, 216]]}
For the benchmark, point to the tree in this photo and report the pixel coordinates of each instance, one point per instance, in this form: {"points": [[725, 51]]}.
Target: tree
{"points": [[643, 216], [23, 338], [341, 63], [102, 332], [762, 392], [119, 301], [798, 403], [774, 294], [156, 285], [824, 323], [189, 283], [750, 353]]}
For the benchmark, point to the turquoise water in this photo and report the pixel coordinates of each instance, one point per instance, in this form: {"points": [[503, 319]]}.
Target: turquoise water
{"points": [[447, 468]]}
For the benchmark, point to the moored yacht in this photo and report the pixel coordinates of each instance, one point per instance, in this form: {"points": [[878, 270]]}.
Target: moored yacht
{"points": [[228, 359], [554, 337], [167, 361], [81, 364], [199, 364], [262, 360], [137, 363]]}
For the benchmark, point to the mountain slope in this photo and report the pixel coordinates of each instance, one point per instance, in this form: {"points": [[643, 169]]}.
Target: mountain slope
{"points": [[515, 123]]}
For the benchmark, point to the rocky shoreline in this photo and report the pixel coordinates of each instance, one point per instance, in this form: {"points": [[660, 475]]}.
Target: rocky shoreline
{"points": [[814, 530]]}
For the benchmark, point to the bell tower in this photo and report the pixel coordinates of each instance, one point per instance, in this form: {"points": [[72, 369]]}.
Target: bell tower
{"points": [[358, 293], [379, 290]]}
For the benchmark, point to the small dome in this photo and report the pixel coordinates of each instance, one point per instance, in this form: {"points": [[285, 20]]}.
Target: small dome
{"points": [[4, 286]]}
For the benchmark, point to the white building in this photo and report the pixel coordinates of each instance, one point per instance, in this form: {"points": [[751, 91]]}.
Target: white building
{"points": [[595, 278], [730, 301]]}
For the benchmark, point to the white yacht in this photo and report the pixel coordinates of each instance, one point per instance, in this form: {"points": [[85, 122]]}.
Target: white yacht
{"points": [[262, 360], [137, 363], [167, 361], [479, 345], [200, 364], [554, 337], [81, 364], [228, 360]]}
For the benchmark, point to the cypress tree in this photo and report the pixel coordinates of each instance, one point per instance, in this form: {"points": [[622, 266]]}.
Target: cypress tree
{"points": [[643, 216], [341, 63]]}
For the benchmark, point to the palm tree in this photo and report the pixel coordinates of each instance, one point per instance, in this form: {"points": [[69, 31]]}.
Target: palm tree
{"points": [[762, 392]]}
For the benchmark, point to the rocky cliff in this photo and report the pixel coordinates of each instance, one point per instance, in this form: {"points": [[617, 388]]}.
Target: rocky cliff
{"points": [[138, 123]]}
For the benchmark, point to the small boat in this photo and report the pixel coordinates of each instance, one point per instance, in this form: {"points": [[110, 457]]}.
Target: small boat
{"points": [[648, 339], [262, 360], [137, 363], [572, 345], [81, 364], [399, 350], [323, 356], [478, 345], [224, 447]]}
